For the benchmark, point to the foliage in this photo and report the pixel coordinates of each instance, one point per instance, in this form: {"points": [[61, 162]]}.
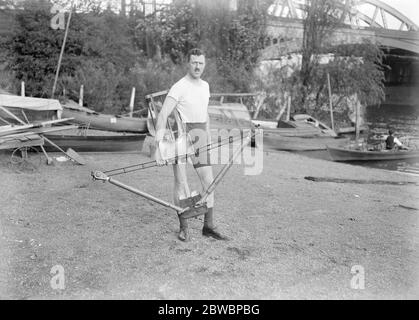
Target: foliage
{"points": [[353, 69], [110, 53], [232, 39], [36, 47], [99, 49]]}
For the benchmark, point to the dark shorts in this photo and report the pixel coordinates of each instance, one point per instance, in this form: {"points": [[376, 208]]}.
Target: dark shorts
{"points": [[199, 138]]}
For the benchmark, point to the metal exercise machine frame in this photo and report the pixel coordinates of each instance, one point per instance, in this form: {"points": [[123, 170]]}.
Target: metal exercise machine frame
{"points": [[190, 207]]}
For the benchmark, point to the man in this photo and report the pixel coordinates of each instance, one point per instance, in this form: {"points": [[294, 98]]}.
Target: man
{"points": [[392, 142], [189, 97]]}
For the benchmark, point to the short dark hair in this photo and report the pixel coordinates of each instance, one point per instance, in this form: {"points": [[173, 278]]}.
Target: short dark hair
{"points": [[195, 52], [390, 131]]}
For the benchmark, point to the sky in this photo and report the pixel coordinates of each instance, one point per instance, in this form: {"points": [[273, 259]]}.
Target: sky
{"points": [[410, 8]]}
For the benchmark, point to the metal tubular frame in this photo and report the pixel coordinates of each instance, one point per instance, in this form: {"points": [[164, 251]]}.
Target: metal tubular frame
{"points": [[195, 205], [188, 212]]}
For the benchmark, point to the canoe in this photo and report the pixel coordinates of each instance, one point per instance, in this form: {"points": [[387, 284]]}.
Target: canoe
{"points": [[96, 141], [102, 121], [345, 154]]}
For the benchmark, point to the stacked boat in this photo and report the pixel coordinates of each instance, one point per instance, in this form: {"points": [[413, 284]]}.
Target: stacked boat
{"points": [[28, 122], [98, 132]]}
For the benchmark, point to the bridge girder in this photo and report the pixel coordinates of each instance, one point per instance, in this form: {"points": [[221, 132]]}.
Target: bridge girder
{"points": [[289, 21], [353, 12]]}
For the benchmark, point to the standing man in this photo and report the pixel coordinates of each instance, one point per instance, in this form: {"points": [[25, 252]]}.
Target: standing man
{"points": [[189, 97]]}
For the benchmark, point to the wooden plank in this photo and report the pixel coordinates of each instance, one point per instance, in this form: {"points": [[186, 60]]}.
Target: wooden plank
{"points": [[234, 94], [156, 94], [37, 131], [33, 125], [18, 144]]}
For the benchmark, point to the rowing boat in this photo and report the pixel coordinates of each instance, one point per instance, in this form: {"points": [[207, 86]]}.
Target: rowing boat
{"points": [[275, 141], [346, 154]]}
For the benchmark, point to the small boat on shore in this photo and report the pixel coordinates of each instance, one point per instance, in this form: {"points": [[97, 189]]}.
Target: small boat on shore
{"points": [[275, 141], [301, 133], [300, 125], [347, 154], [95, 120], [97, 140], [347, 130]]}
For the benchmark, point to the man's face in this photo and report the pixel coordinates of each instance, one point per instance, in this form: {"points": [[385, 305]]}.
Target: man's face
{"points": [[196, 66]]}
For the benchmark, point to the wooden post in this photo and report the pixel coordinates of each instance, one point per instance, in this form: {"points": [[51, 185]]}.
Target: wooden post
{"points": [[22, 88], [330, 101], [131, 103], [281, 112], [260, 99], [81, 96], [357, 104], [288, 109], [62, 52]]}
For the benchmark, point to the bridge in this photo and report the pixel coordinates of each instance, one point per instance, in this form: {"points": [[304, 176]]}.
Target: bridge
{"points": [[358, 20]]}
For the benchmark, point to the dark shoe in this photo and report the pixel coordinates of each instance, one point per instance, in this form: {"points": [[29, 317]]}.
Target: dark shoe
{"points": [[183, 235], [213, 233]]}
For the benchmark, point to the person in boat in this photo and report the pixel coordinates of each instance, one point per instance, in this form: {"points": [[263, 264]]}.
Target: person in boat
{"points": [[190, 97], [393, 142]]}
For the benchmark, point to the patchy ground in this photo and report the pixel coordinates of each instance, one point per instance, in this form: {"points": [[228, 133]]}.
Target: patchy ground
{"points": [[292, 238]]}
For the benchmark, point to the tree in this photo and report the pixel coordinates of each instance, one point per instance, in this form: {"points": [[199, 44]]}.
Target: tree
{"points": [[354, 69], [232, 39], [35, 48]]}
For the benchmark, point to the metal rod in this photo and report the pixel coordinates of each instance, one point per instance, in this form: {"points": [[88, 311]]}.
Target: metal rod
{"points": [[145, 195], [151, 164], [224, 170]]}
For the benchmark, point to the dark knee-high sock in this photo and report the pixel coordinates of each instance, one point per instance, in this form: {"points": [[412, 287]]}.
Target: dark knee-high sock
{"points": [[183, 223], [209, 219]]}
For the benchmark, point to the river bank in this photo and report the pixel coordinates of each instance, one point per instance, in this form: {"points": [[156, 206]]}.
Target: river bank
{"points": [[291, 238]]}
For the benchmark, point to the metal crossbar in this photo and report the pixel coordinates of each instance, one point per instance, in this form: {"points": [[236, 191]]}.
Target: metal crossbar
{"points": [[195, 205]]}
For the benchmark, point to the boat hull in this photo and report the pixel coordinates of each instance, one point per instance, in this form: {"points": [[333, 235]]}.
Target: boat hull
{"points": [[276, 141], [342, 154], [106, 121], [105, 142]]}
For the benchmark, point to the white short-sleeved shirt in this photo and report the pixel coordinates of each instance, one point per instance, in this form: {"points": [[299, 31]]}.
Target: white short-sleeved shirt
{"points": [[192, 99]]}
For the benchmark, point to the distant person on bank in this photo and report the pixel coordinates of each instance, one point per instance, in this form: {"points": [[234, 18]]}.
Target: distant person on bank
{"points": [[393, 142]]}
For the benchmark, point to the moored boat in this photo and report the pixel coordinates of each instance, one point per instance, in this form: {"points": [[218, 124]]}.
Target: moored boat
{"points": [[347, 154], [275, 141]]}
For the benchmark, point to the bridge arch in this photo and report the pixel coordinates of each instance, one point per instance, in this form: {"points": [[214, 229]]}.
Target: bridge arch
{"points": [[370, 19], [359, 13]]}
